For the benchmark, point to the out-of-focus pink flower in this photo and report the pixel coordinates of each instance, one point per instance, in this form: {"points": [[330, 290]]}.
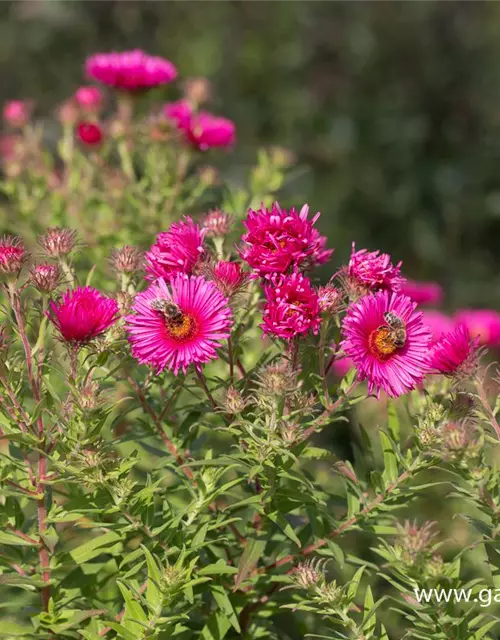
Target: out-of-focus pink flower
{"points": [[68, 113], [82, 314], [89, 99], [341, 366], [292, 307], [179, 324], [278, 240], [201, 129], [455, 354], [12, 255], [130, 70], [178, 250], [17, 113], [482, 323], [372, 271], [438, 323], [90, 133], [388, 342], [8, 145], [422, 292], [229, 277], [179, 112]]}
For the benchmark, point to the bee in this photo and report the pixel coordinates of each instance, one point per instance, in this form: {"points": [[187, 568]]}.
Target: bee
{"points": [[397, 327], [169, 309]]}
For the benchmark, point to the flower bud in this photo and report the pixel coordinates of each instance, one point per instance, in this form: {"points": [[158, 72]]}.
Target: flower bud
{"points": [[330, 300], [12, 255], [127, 259], [89, 99], [209, 176], [415, 542], [67, 113], [233, 401], [17, 113], [197, 90], [90, 134], [45, 277], [217, 223], [57, 242]]}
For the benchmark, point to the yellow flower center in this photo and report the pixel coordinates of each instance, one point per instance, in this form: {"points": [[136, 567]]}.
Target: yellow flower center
{"points": [[181, 328], [381, 343]]}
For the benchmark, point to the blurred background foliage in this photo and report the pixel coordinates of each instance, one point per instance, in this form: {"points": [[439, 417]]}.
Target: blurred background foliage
{"points": [[392, 109]]}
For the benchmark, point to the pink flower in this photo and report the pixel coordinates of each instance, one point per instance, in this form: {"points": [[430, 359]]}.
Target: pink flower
{"points": [[373, 271], [130, 70], [229, 277], [279, 240], [438, 323], [455, 353], [177, 250], [201, 129], [17, 113], [422, 292], [292, 307], [89, 99], [388, 342], [179, 324], [481, 323], [90, 133], [341, 366], [180, 112], [12, 255], [82, 314]]}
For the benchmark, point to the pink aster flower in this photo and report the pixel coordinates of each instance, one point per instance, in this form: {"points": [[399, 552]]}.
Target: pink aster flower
{"points": [[178, 250], [481, 323], [12, 255], [179, 324], [82, 314], [201, 129], [17, 113], [422, 292], [438, 323], [372, 271], [387, 341], [277, 241], [90, 133], [130, 70], [89, 99], [292, 307], [341, 366], [229, 277], [455, 354], [179, 112]]}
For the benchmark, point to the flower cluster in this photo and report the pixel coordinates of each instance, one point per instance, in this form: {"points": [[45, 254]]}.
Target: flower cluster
{"points": [[201, 129]]}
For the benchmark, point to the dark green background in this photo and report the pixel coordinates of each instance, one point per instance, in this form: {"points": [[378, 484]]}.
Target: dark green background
{"points": [[392, 108]]}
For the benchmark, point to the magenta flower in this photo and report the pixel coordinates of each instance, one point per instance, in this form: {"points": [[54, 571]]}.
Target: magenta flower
{"points": [[388, 342], [292, 307], [341, 366], [130, 70], [455, 353], [12, 255], [17, 113], [90, 134], [178, 250], [179, 112], [481, 323], [82, 314], [89, 99], [422, 292], [229, 277], [438, 323], [201, 129], [373, 271], [180, 324], [279, 240]]}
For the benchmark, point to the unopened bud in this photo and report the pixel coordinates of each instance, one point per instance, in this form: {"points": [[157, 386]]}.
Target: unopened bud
{"points": [[233, 401], [57, 242], [45, 277], [128, 259], [217, 223], [197, 90], [330, 299], [12, 255]]}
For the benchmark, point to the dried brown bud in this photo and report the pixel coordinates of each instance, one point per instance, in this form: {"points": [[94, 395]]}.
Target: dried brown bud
{"points": [[45, 277], [278, 379], [217, 223], [128, 259], [233, 401], [57, 242]]}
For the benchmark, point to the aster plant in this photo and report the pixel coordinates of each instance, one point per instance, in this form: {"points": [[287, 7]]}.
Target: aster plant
{"points": [[176, 395]]}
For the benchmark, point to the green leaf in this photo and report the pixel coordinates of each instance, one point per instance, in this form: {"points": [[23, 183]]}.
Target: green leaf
{"points": [[93, 548], [393, 421], [225, 605], [12, 630], [134, 613], [253, 551], [13, 540], [390, 460], [153, 594], [217, 569], [354, 583], [121, 631], [280, 520], [217, 627]]}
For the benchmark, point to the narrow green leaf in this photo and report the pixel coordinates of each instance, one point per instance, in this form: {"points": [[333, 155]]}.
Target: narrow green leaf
{"points": [[390, 460], [216, 628], [393, 421], [93, 548], [280, 520], [225, 605], [249, 558], [354, 583]]}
